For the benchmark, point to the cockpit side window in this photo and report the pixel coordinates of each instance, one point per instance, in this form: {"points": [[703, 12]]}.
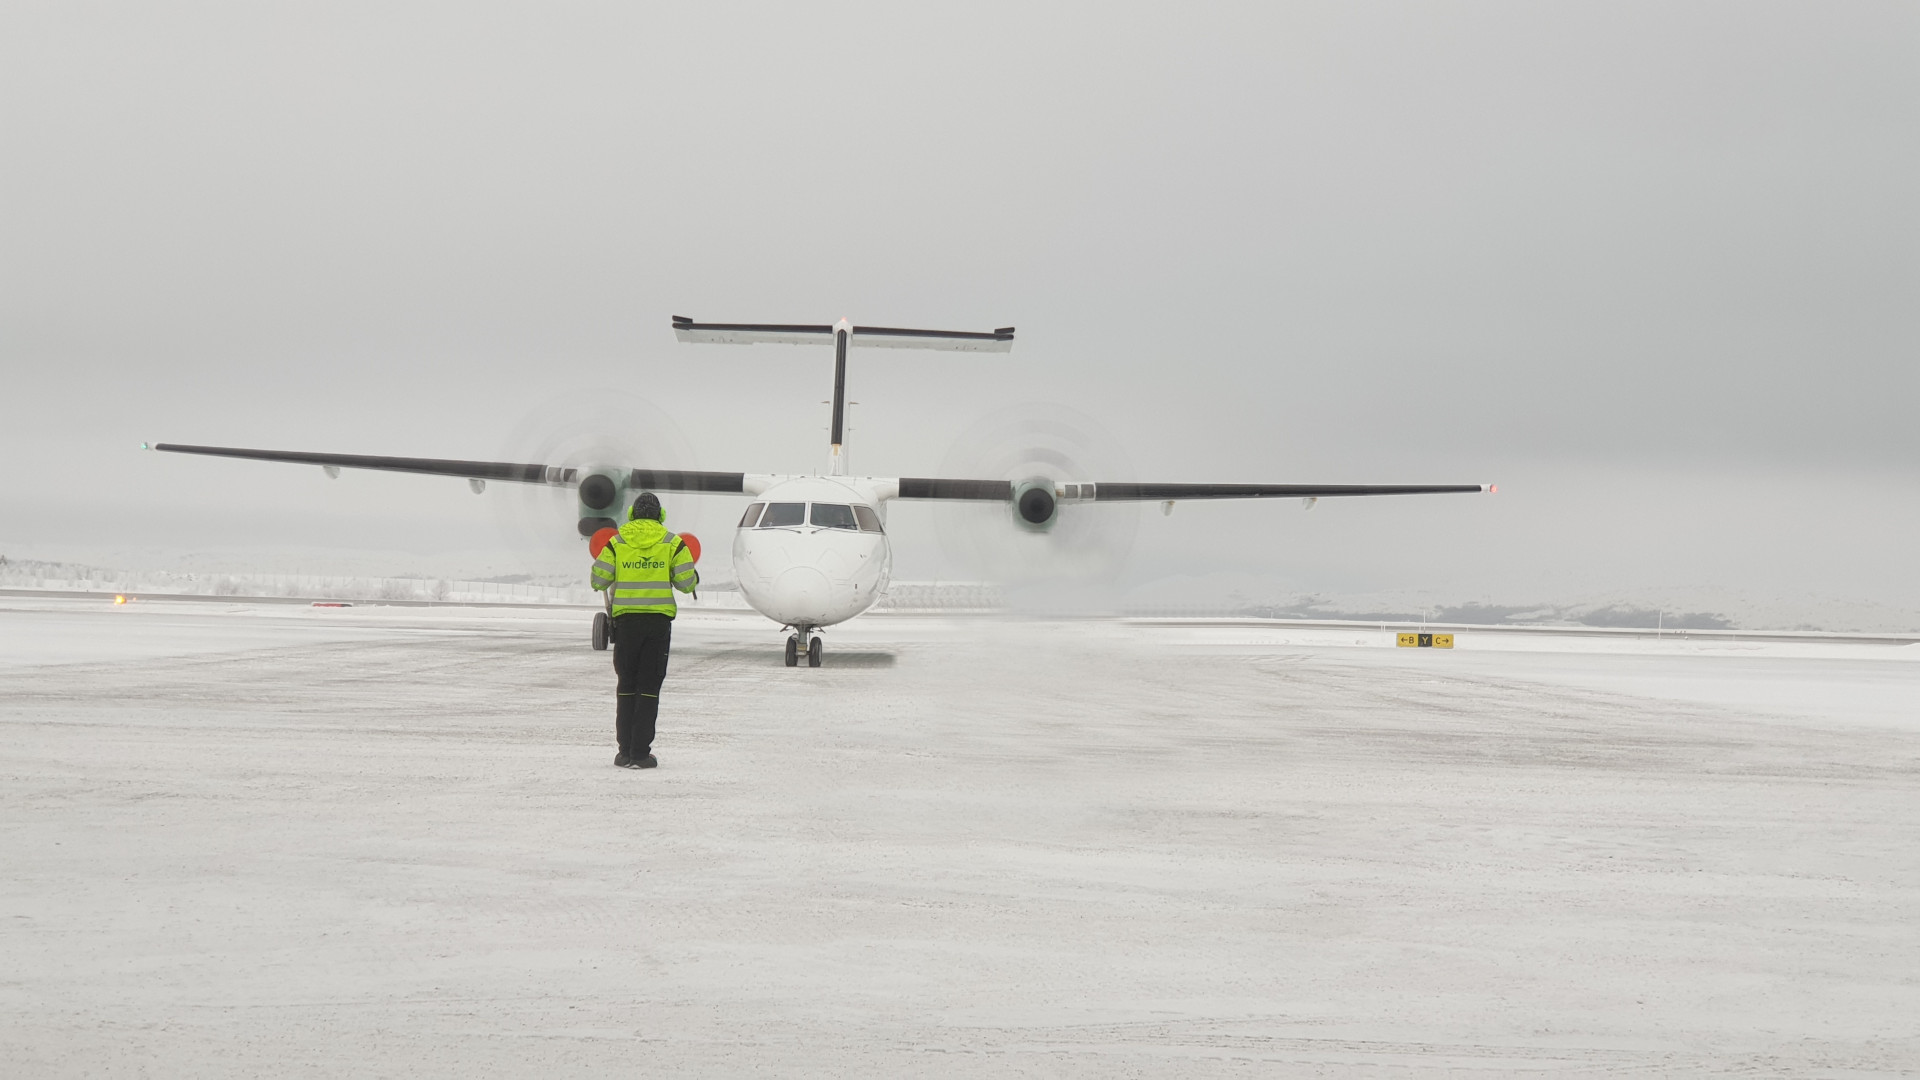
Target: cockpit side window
{"points": [[783, 515], [869, 521], [752, 516], [834, 516]]}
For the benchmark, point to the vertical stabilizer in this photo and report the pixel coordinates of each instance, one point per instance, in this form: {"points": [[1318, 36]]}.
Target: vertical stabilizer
{"points": [[842, 335]]}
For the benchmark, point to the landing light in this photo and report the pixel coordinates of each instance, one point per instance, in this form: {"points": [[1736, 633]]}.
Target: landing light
{"points": [[119, 599]]}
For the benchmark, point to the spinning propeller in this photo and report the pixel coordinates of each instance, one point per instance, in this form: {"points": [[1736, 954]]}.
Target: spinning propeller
{"points": [[1043, 531], [599, 453]]}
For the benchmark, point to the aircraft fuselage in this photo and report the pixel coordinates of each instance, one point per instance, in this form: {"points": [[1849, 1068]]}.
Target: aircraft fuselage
{"points": [[812, 551]]}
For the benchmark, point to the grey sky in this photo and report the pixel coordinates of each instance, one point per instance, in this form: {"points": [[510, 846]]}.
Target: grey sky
{"points": [[1615, 256]]}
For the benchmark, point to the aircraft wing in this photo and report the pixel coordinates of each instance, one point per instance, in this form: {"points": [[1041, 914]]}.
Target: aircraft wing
{"points": [[523, 473], [883, 337], [1002, 490], [1160, 492]]}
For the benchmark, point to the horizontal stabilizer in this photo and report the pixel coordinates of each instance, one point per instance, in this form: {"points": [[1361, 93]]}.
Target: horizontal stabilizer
{"points": [[886, 337], [750, 333], [882, 337]]}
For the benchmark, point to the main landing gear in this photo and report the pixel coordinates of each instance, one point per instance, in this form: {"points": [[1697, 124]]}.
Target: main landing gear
{"points": [[603, 623], [813, 650]]}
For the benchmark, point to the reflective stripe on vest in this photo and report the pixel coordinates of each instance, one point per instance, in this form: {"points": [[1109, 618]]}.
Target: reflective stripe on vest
{"points": [[642, 576]]}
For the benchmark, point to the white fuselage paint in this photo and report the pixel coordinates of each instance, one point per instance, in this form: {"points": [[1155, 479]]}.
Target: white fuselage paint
{"points": [[808, 576]]}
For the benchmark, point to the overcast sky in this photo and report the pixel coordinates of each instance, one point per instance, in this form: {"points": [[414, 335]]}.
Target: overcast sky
{"points": [[1652, 267]]}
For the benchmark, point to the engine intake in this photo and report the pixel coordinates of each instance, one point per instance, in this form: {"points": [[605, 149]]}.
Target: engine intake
{"points": [[1033, 502], [598, 492]]}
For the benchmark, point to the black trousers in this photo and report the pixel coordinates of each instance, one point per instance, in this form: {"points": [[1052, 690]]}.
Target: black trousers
{"points": [[640, 645]]}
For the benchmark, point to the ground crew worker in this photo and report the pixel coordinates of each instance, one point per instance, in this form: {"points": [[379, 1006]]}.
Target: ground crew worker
{"points": [[642, 564]]}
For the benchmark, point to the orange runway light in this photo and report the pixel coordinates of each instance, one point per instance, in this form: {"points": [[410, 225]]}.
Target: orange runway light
{"points": [[119, 599]]}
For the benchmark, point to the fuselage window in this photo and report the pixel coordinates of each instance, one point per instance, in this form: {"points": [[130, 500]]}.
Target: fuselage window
{"points": [[834, 516], [783, 515], [752, 515], [869, 521]]}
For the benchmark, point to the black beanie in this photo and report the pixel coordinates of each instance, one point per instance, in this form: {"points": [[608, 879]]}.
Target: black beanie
{"points": [[645, 508]]}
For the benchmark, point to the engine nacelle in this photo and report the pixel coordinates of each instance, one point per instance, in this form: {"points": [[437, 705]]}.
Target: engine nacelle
{"points": [[1034, 506], [600, 494]]}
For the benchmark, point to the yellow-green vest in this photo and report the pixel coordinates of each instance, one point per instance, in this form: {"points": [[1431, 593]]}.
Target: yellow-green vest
{"points": [[643, 565]]}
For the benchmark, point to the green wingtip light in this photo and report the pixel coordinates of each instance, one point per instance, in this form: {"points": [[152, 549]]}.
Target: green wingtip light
{"points": [[144, 446]]}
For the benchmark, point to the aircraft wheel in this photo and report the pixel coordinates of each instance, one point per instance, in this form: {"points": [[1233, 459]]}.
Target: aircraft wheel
{"points": [[793, 651], [600, 628], [813, 653]]}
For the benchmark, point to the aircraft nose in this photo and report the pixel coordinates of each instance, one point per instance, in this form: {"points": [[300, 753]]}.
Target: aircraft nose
{"points": [[802, 589]]}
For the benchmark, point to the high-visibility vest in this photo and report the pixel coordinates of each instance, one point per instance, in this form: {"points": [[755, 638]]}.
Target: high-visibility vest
{"points": [[643, 565]]}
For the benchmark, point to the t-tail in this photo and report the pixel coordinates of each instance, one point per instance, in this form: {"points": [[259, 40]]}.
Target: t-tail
{"points": [[843, 335]]}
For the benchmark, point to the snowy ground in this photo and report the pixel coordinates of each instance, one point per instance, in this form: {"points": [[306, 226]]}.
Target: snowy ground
{"points": [[245, 840]]}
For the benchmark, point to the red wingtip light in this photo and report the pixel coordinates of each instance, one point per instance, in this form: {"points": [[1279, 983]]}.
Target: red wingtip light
{"points": [[599, 540], [1493, 489]]}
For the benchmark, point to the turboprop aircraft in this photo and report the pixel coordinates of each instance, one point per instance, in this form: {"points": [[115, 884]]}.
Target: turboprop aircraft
{"points": [[812, 551]]}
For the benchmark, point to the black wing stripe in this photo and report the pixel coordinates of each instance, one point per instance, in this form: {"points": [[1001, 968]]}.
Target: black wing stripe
{"points": [[987, 490], [732, 483], [1156, 492], [651, 479], [1002, 490], [475, 470]]}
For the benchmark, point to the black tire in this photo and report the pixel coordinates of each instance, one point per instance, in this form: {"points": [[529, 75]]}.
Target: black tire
{"points": [[600, 628], [793, 651], [813, 653]]}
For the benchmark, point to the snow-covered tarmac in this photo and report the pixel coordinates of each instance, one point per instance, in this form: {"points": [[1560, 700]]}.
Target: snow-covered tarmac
{"points": [[264, 840]]}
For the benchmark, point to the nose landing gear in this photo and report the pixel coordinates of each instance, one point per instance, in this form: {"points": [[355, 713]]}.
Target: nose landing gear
{"points": [[813, 651]]}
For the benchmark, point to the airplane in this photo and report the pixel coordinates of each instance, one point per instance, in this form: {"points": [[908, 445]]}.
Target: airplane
{"points": [[811, 551]]}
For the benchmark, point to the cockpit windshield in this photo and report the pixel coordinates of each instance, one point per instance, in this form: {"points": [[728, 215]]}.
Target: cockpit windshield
{"points": [[834, 516], [780, 515], [786, 515]]}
